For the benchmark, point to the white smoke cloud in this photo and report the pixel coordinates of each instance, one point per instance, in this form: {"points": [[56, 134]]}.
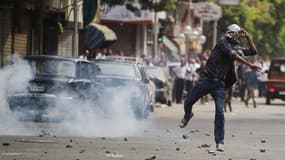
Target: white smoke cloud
{"points": [[13, 78], [82, 118], [114, 120]]}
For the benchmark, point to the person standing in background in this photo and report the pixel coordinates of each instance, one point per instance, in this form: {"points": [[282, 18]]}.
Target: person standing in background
{"points": [[190, 74], [251, 85], [179, 72]]}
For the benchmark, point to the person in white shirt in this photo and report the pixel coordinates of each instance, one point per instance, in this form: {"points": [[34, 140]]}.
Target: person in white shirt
{"points": [[85, 55], [190, 75], [179, 72]]}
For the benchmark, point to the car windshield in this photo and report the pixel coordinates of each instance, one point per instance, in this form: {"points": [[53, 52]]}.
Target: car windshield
{"points": [[118, 69], [155, 73], [53, 67]]}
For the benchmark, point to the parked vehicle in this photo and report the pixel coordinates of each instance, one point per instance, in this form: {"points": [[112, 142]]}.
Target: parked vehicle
{"points": [[160, 77], [126, 81], [276, 80], [57, 82]]}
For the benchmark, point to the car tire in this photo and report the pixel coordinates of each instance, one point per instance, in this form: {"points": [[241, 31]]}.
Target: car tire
{"points": [[38, 117]]}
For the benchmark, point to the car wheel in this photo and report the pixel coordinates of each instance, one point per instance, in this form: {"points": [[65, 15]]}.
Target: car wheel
{"points": [[38, 117], [141, 113]]}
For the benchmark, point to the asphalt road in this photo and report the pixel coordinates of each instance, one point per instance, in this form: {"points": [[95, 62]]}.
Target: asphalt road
{"points": [[251, 133]]}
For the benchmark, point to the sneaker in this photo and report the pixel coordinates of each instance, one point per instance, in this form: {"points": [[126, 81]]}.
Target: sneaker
{"points": [[184, 121], [220, 147]]}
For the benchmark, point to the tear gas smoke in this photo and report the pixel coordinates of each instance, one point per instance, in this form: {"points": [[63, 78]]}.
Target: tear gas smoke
{"points": [[80, 119], [13, 78]]}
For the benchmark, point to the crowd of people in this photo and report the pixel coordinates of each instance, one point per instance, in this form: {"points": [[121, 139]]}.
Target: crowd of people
{"points": [[99, 53]]}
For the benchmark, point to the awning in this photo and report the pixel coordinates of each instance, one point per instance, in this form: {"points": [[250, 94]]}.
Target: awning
{"points": [[98, 36], [173, 53]]}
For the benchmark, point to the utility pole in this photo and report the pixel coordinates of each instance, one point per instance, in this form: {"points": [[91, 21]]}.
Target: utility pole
{"points": [[187, 45], [215, 33], [75, 29], [155, 32]]}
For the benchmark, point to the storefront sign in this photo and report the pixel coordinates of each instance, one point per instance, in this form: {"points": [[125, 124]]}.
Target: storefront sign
{"points": [[121, 14], [207, 11], [229, 2]]}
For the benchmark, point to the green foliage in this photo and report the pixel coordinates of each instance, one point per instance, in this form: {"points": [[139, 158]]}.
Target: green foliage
{"points": [[264, 20]]}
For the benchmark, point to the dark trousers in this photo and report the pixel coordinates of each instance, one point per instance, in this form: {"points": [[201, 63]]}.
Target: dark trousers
{"points": [[179, 83], [216, 89], [188, 85]]}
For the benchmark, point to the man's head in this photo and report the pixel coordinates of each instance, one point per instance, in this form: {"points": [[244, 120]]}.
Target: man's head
{"points": [[233, 31]]}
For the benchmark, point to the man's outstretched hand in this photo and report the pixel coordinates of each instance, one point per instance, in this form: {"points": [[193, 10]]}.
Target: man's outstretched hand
{"points": [[255, 67]]}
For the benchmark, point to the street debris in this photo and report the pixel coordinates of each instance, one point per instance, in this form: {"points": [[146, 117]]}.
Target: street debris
{"points": [[263, 141], [82, 151], [11, 154], [262, 150], [133, 148], [185, 136], [35, 141], [177, 149], [44, 133], [5, 144], [211, 151], [206, 145], [114, 155], [151, 157], [207, 134], [164, 106], [194, 131], [107, 152], [68, 146]]}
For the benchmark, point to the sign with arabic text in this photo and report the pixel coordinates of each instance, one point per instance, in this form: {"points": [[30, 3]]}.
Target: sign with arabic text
{"points": [[229, 2], [120, 13], [207, 11]]}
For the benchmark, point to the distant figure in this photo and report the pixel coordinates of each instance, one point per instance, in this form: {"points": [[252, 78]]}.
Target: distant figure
{"points": [[190, 74], [109, 52], [242, 88], [228, 99], [251, 85], [179, 72], [85, 55], [102, 55]]}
